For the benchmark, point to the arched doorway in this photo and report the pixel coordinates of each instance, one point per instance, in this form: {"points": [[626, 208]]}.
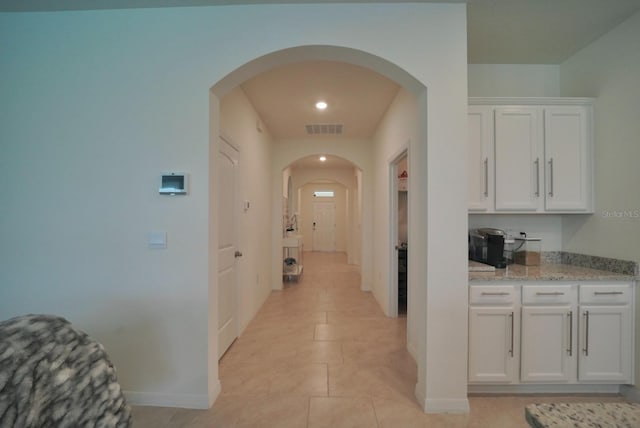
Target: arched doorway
{"points": [[418, 218], [309, 174]]}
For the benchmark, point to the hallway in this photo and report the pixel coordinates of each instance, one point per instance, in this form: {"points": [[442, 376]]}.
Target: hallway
{"points": [[321, 353]]}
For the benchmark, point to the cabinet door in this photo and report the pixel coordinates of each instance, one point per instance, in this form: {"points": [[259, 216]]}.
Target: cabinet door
{"points": [[480, 144], [493, 345], [605, 344], [548, 344], [567, 146], [518, 154]]}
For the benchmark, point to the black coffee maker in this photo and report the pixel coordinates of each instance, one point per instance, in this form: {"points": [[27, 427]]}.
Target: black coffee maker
{"points": [[486, 245]]}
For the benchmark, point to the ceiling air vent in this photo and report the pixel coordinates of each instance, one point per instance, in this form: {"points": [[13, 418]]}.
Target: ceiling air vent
{"points": [[324, 128]]}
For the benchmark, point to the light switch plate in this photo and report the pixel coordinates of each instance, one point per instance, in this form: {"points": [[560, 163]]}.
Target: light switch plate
{"points": [[157, 240]]}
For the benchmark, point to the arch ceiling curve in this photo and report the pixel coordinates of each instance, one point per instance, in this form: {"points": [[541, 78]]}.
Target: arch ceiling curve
{"points": [[317, 53]]}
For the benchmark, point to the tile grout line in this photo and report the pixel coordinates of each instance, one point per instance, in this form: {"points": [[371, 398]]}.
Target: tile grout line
{"points": [[375, 414]]}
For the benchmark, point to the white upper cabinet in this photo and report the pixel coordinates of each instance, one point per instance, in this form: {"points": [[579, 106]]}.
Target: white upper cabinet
{"points": [[518, 152], [480, 156], [566, 146], [530, 155]]}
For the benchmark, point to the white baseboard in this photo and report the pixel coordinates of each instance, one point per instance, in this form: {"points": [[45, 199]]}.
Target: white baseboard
{"points": [[187, 401], [545, 389], [213, 394], [631, 393], [412, 351], [443, 405]]}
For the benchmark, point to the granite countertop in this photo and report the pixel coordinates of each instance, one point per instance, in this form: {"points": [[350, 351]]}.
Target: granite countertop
{"points": [[548, 272], [480, 267], [583, 415]]}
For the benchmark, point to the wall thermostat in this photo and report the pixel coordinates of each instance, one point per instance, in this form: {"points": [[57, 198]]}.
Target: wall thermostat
{"points": [[173, 183]]}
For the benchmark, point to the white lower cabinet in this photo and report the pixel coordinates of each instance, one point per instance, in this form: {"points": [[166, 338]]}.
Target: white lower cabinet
{"points": [[494, 320], [548, 334], [606, 325], [551, 334], [493, 348]]}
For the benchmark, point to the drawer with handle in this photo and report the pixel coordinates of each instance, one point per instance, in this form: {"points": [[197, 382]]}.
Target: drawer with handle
{"points": [[605, 294], [548, 295], [492, 295]]}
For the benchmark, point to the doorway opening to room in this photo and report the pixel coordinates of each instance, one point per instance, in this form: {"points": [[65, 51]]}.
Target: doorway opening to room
{"points": [[399, 231], [368, 248]]}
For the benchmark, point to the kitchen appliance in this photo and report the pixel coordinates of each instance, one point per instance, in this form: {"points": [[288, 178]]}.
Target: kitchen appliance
{"points": [[486, 245]]}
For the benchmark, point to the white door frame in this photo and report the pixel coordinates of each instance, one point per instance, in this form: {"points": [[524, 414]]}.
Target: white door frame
{"points": [[393, 231]]}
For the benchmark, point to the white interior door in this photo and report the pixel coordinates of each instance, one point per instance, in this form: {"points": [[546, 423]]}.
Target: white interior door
{"points": [[324, 226], [227, 251]]}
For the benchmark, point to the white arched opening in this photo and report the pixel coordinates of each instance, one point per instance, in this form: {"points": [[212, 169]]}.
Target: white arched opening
{"points": [[346, 175], [453, 396]]}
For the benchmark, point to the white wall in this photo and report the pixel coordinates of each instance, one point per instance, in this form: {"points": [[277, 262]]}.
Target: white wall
{"points": [[237, 121], [608, 69], [514, 80], [106, 100], [398, 126], [547, 227]]}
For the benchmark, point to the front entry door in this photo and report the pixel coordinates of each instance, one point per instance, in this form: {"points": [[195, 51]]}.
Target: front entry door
{"points": [[324, 226], [227, 250]]}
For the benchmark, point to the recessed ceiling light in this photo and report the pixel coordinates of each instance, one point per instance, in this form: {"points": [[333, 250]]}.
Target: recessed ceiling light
{"points": [[323, 158], [321, 105]]}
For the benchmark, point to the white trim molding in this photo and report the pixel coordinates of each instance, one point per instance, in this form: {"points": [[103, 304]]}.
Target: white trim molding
{"points": [[631, 393], [520, 101], [187, 401], [442, 405]]}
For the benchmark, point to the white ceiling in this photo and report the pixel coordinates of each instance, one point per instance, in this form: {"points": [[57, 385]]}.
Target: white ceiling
{"points": [[332, 162], [538, 31], [285, 98], [499, 32]]}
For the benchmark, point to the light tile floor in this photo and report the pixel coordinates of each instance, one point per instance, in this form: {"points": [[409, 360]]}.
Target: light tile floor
{"points": [[321, 354]]}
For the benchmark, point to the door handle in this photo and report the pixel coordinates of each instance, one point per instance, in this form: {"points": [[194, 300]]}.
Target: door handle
{"points": [[237, 254], [551, 177], [586, 333], [512, 334], [570, 350], [486, 177], [537, 164]]}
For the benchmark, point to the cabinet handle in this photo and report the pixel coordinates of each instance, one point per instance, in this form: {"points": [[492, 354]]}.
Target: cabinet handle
{"points": [[549, 293], [537, 164], [586, 333], [607, 293], [551, 177], [486, 177], [512, 333], [570, 350], [497, 293]]}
